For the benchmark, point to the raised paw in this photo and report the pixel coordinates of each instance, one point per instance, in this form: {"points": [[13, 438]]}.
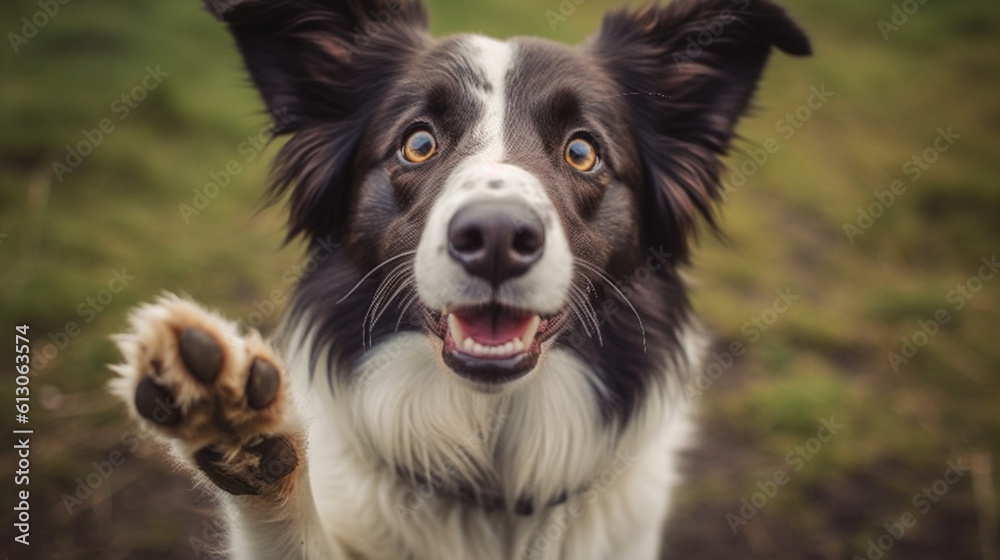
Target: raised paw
{"points": [[219, 399]]}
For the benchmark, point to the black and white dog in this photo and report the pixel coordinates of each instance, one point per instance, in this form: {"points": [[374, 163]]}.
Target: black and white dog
{"points": [[489, 363]]}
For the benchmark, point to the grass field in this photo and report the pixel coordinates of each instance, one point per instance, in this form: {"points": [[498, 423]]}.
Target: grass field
{"points": [[892, 331]]}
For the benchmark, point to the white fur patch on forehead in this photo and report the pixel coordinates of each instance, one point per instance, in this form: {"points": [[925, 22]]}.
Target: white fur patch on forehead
{"points": [[493, 59]]}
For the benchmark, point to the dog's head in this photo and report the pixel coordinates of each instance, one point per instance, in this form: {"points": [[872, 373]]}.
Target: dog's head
{"points": [[499, 194]]}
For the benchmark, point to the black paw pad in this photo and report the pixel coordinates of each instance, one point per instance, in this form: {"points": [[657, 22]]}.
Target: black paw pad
{"points": [[277, 458], [210, 461], [262, 384], [201, 354], [156, 404]]}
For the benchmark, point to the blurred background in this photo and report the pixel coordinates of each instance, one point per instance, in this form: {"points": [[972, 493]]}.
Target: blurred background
{"points": [[856, 418]]}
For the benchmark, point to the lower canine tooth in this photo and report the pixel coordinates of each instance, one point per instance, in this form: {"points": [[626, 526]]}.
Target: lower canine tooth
{"points": [[456, 329], [529, 333], [468, 345]]}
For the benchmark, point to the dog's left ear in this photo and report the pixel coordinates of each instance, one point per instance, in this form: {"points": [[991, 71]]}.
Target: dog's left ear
{"points": [[322, 67], [687, 72]]}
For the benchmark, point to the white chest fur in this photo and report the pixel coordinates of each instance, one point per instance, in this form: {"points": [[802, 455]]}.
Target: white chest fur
{"points": [[539, 439]]}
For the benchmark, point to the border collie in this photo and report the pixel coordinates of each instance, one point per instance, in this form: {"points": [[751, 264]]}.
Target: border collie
{"points": [[486, 358]]}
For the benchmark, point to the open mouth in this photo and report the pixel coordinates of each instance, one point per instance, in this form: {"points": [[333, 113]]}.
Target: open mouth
{"points": [[492, 343]]}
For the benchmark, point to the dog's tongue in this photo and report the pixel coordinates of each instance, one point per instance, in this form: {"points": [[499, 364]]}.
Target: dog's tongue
{"points": [[492, 326]]}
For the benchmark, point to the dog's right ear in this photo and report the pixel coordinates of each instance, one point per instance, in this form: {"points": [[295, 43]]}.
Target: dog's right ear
{"points": [[687, 71], [322, 67]]}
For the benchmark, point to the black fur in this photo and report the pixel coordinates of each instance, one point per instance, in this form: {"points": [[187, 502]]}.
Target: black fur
{"points": [[684, 103], [662, 113], [321, 67]]}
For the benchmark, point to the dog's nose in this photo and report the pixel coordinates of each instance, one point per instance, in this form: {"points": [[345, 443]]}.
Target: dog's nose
{"points": [[496, 240]]}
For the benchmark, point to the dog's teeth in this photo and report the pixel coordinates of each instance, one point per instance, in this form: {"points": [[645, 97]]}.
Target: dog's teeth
{"points": [[529, 333], [456, 329], [514, 346]]}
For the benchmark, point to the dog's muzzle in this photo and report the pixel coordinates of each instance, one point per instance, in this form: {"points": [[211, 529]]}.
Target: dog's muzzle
{"points": [[489, 271]]}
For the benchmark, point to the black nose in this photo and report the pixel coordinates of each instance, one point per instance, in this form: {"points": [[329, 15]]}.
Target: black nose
{"points": [[496, 240]]}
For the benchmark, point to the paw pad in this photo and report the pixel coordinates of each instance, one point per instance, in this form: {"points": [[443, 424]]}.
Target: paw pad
{"points": [[275, 459], [262, 384], [201, 354], [156, 404], [216, 395]]}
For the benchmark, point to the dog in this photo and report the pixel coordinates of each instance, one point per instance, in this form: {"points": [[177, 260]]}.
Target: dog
{"points": [[487, 353]]}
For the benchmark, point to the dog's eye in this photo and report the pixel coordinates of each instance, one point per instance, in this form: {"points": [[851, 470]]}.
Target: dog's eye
{"points": [[581, 154], [419, 146]]}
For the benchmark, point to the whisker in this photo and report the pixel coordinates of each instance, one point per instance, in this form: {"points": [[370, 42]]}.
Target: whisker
{"points": [[405, 306], [611, 283], [372, 271], [585, 295], [406, 284], [389, 282], [383, 288], [574, 306], [587, 309], [628, 93], [590, 285]]}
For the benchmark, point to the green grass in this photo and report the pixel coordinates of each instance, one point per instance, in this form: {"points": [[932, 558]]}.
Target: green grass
{"points": [[826, 356]]}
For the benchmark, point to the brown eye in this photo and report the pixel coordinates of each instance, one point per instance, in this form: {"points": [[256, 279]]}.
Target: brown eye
{"points": [[581, 154], [419, 146]]}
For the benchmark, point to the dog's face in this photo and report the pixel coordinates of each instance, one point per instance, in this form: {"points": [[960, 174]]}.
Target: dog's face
{"points": [[490, 192], [503, 181]]}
